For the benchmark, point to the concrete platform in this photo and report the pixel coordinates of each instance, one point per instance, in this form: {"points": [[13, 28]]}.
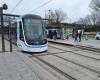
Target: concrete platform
{"points": [[14, 67], [91, 43]]}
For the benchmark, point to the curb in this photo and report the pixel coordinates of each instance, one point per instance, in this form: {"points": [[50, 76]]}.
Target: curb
{"points": [[77, 46]]}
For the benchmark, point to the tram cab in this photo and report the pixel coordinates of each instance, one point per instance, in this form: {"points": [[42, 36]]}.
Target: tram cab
{"points": [[31, 34]]}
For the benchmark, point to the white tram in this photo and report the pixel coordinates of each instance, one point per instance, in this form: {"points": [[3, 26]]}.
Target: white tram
{"points": [[31, 33]]}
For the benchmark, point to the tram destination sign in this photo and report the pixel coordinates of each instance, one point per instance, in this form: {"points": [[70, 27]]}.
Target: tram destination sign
{"points": [[36, 21]]}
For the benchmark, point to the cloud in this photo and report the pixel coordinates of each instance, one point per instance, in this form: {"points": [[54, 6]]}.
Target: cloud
{"points": [[73, 8]]}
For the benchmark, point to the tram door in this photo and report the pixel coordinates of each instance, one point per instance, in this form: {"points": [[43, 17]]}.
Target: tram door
{"points": [[21, 31]]}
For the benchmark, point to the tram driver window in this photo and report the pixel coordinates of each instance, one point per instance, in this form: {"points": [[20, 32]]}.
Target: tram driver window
{"points": [[21, 31]]}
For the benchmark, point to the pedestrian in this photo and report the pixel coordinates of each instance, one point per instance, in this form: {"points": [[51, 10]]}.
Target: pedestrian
{"points": [[79, 35], [73, 33], [86, 37], [75, 36], [67, 35], [50, 34], [82, 34], [55, 34]]}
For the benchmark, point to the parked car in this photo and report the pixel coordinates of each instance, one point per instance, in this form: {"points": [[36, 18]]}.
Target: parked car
{"points": [[97, 37]]}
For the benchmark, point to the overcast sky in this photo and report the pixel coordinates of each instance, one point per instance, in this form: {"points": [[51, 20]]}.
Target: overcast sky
{"points": [[73, 8]]}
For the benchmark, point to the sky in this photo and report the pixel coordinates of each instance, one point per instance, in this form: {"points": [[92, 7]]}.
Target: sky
{"points": [[74, 9]]}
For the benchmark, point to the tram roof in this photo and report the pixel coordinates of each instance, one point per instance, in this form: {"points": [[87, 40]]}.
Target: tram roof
{"points": [[31, 16]]}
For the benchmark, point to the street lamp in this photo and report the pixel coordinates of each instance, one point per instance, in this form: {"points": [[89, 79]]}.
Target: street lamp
{"points": [[49, 16], [4, 7]]}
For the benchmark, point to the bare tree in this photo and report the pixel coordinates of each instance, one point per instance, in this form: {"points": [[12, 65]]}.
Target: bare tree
{"points": [[95, 15], [60, 15], [52, 16], [94, 18], [86, 20], [56, 16], [95, 5], [81, 21], [91, 19]]}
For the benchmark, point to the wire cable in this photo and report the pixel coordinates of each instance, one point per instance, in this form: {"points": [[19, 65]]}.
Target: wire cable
{"points": [[41, 6], [16, 6]]}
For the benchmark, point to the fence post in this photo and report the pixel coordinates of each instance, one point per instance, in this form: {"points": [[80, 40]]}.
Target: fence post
{"points": [[2, 30], [10, 34]]}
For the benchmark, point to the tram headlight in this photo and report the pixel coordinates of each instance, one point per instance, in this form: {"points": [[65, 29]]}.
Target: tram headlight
{"points": [[37, 42], [44, 41]]}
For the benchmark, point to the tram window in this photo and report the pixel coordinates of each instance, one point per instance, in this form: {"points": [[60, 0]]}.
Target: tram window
{"points": [[21, 31], [13, 30]]}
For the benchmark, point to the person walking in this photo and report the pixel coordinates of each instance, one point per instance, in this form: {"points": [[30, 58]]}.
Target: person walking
{"points": [[55, 34], [75, 36], [51, 34], [67, 35], [79, 35]]}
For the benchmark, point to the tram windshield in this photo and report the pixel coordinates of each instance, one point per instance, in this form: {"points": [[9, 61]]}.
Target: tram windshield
{"points": [[34, 29]]}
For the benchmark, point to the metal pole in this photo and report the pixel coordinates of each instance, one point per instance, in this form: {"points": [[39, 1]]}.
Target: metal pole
{"points": [[45, 17], [2, 30], [10, 35], [49, 19]]}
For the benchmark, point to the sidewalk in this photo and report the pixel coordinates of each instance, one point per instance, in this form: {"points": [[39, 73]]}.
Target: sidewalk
{"points": [[15, 66], [92, 43]]}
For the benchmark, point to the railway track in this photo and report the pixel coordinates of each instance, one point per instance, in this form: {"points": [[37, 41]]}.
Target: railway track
{"points": [[91, 69], [77, 53], [59, 70], [55, 68], [71, 61]]}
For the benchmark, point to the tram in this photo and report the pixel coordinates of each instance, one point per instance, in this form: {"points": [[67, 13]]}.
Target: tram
{"points": [[31, 34]]}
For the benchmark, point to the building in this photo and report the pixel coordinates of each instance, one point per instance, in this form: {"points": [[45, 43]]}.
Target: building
{"points": [[63, 29]]}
